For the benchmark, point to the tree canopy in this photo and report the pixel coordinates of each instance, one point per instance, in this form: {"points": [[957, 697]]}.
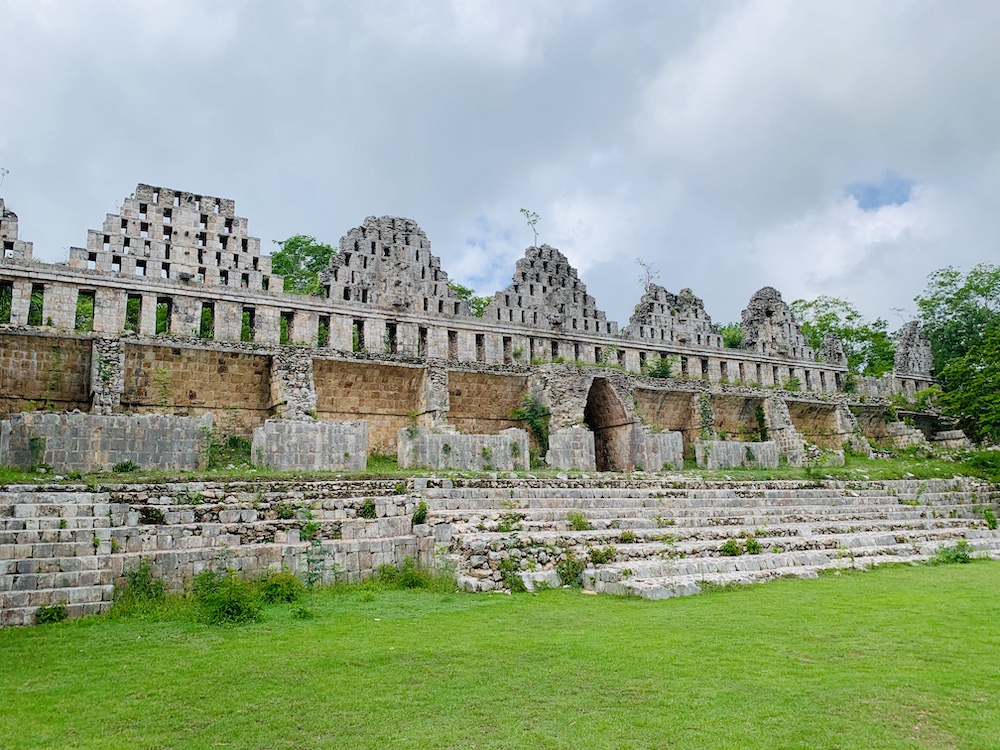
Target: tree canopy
{"points": [[960, 315], [299, 261], [868, 347], [477, 305]]}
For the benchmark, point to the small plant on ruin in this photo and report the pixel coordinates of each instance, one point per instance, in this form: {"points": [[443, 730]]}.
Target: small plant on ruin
{"points": [[139, 592], [627, 537], [284, 511], [753, 546], [279, 588], [225, 451], [367, 509], [532, 218], [310, 530], [446, 448], [961, 552], [420, 514], [510, 522], [316, 563], [602, 555], [663, 522], [577, 521], [115, 545], [990, 517], [225, 598], [661, 367], [52, 613], [510, 572], [731, 548], [793, 384], [570, 570], [536, 416], [399, 488], [151, 516], [125, 467]]}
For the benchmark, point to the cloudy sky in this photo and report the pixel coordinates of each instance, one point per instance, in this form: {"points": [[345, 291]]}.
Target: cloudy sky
{"points": [[842, 148]]}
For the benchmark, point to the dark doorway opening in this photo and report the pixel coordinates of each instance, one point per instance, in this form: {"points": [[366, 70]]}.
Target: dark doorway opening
{"points": [[606, 418]]}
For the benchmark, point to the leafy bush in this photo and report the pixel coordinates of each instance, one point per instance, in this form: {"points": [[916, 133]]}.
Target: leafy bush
{"points": [[577, 521], [367, 509], [753, 546], [570, 570], [599, 555], [225, 599], [512, 580], [222, 451], [420, 514], [52, 613], [536, 415], [409, 576], [277, 588], [661, 367], [731, 548], [284, 511], [124, 467], [990, 517], [510, 522], [960, 553], [139, 591], [627, 537]]}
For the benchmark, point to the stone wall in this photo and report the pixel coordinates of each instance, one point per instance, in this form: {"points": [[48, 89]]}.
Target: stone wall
{"points": [[673, 411], [656, 451], [43, 372], [719, 454], [384, 395], [481, 402], [62, 544], [235, 386], [92, 442], [572, 448], [311, 446], [417, 447]]}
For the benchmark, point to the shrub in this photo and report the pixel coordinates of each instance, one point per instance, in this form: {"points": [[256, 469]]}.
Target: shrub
{"points": [[125, 467], [278, 588], [731, 548], [627, 537], [225, 599], [139, 591], [599, 555], [570, 570], [511, 576], [420, 514], [310, 530], [960, 553], [753, 546], [367, 509], [577, 521], [990, 517], [284, 511], [52, 613], [510, 522], [408, 576]]}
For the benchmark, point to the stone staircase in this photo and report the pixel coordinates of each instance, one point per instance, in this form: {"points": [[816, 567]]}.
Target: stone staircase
{"points": [[664, 539], [656, 537]]}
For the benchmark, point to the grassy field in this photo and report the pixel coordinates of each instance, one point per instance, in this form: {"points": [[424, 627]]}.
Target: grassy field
{"points": [[904, 657]]}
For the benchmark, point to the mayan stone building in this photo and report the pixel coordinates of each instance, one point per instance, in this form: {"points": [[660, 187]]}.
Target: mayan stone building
{"points": [[171, 309]]}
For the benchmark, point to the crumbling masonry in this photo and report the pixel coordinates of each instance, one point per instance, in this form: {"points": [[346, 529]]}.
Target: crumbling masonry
{"points": [[171, 309]]}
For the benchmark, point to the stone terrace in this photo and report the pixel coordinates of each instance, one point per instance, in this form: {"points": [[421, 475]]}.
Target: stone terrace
{"points": [[64, 543]]}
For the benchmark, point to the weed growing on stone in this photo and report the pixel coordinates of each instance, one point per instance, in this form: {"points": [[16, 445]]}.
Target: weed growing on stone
{"points": [[602, 555], [420, 514], [125, 467], [961, 552], [367, 509], [731, 548], [570, 570], [627, 537], [52, 613], [577, 521], [990, 517]]}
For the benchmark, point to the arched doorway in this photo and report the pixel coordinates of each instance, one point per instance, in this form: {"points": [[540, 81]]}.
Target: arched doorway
{"points": [[612, 428]]}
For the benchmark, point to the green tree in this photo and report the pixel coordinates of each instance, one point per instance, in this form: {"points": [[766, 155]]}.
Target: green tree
{"points": [[299, 262], [732, 335], [960, 315], [477, 305], [958, 311], [868, 347]]}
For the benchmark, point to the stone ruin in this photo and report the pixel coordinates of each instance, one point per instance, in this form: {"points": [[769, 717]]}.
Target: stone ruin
{"points": [[171, 309]]}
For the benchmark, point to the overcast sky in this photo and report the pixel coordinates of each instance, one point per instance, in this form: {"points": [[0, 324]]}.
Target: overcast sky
{"points": [[842, 148]]}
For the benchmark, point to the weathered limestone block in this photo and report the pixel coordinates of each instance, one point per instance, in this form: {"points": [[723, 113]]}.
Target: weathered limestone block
{"points": [[418, 447], [656, 451], [293, 390], [769, 327], [913, 352], [782, 431], [107, 375], [290, 445], [720, 454], [572, 448], [90, 442], [902, 435], [951, 440]]}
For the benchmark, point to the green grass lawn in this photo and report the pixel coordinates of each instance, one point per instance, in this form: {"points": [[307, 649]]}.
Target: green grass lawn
{"points": [[904, 657]]}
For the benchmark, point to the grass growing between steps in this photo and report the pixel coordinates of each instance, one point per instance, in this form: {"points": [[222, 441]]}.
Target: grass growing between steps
{"points": [[896, 658]]}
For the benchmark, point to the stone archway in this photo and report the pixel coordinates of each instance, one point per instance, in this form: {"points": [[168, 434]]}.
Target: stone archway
{"points": [[605, 415]]}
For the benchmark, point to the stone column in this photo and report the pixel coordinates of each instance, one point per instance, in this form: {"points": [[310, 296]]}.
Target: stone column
{"points": [[293, 390], [107, 375]]}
